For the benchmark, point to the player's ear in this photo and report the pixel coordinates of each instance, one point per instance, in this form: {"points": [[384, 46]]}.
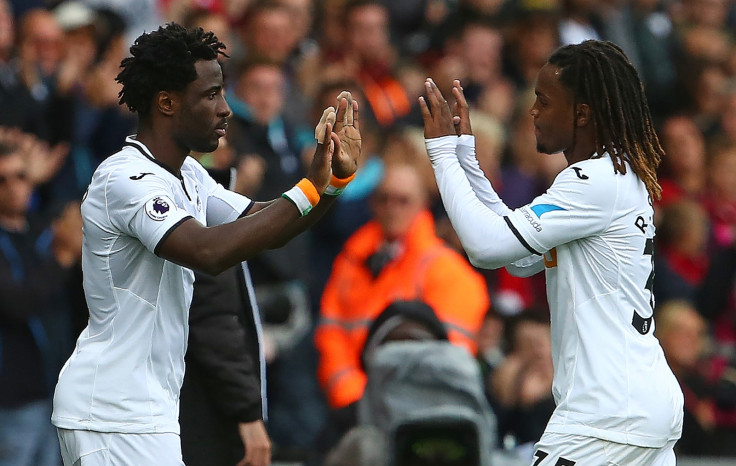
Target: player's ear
{"points": [[582, 114], [164, 103]]}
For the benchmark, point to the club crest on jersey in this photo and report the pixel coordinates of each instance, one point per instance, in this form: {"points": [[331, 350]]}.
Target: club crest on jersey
{"points": [[541, 209], [158, 208]]}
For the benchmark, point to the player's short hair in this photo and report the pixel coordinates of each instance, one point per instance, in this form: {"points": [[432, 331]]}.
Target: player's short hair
{"points": [[163, 60], [599, 74]]}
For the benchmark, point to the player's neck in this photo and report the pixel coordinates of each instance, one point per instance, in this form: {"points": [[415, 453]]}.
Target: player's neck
{"points": [[583, 147], [575, 157], [164, 149]]}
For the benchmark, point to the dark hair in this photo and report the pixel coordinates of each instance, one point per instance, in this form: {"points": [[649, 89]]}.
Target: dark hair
{"points": [[163, 60], [599, 74], [533, 315]]}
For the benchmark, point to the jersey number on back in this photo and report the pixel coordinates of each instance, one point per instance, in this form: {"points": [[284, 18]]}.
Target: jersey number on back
{"points": [[649, 251]]}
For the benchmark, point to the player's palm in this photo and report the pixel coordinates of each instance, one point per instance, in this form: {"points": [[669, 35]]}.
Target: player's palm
{"points": [[346, 157]]}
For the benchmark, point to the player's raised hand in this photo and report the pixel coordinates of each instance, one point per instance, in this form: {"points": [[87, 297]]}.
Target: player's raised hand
{"points": [[347, 127], [460, 110], [320, 170], [435, 112]]}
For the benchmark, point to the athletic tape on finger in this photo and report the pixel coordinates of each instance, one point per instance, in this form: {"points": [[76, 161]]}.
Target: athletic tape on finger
{"points": [[328, 116], [348, 117]]}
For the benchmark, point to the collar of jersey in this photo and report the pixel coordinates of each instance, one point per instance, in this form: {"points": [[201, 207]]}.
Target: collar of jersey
{"points": [[131, 141]]}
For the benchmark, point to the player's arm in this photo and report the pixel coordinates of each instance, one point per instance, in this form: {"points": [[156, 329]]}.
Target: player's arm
{"points": [[577, 205], [271, 225], [485, 236], [466, 154], [214, 249], [480, 183]]}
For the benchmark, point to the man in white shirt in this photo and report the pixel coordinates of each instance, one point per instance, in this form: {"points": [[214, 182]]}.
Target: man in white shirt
{"points": [[592, 232], [152, 213]]}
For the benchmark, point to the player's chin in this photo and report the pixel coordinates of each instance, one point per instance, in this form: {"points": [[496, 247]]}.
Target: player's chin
{"points": [[205, 146], [544, 149]]}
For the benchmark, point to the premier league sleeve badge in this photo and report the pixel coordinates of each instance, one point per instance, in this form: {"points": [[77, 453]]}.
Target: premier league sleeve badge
{"points": [[158, 208]]}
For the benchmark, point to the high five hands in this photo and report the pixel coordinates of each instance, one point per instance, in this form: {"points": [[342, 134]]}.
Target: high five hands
{"points": [[439, 119], [347, 127], [338, 142]]}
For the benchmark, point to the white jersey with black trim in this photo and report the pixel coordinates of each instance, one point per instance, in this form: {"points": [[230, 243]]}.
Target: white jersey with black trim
{"points": [[127, 368], [595, 230]]}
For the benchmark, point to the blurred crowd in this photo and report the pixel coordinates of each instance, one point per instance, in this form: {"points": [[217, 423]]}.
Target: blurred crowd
{"points": [[387, 236]]}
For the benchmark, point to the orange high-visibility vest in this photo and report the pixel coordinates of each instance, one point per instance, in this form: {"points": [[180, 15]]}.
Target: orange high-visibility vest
{"points": [[426, 270]]}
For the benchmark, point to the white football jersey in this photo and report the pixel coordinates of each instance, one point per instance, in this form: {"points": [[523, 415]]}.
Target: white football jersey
{"points": [[611, 380], [594, 230], [128, 364]]}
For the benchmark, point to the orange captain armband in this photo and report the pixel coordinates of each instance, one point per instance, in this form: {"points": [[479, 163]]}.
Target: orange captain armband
{"points": [[304, 196], [338, 185]]}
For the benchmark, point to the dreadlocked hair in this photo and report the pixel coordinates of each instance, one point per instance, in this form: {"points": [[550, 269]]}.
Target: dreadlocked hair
{"points": [[600, 75], [163, 60]]}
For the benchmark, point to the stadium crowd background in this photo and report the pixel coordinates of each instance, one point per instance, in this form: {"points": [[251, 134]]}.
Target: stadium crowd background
{"points": [[58, 106]]}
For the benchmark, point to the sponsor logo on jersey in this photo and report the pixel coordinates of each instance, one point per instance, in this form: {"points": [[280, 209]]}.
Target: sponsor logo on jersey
{"points": [[158, 208], [529, 218], [541, 209]]}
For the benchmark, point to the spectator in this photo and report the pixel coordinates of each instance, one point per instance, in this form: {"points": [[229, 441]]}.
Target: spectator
{"points": [[701, 83], [271, 31], [41, 51], [260, 127], [532, 34], [726, 130], [395, 256], [369, 57], [479, 47], [86, 91], [423, 390], [682, 251], [579, 21], [682, 332], [490, 345], [521, 385], [683, 170], [647, 36], [721, 197], [37, 254], [267, 32], [21, 106]]}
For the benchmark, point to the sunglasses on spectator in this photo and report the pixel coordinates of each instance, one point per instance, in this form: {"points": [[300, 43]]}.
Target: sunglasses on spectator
{"points": [[20, 176]]}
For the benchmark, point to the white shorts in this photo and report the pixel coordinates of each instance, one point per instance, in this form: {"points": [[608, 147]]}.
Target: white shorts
{"points": [[89, 448], [568, 450]]}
